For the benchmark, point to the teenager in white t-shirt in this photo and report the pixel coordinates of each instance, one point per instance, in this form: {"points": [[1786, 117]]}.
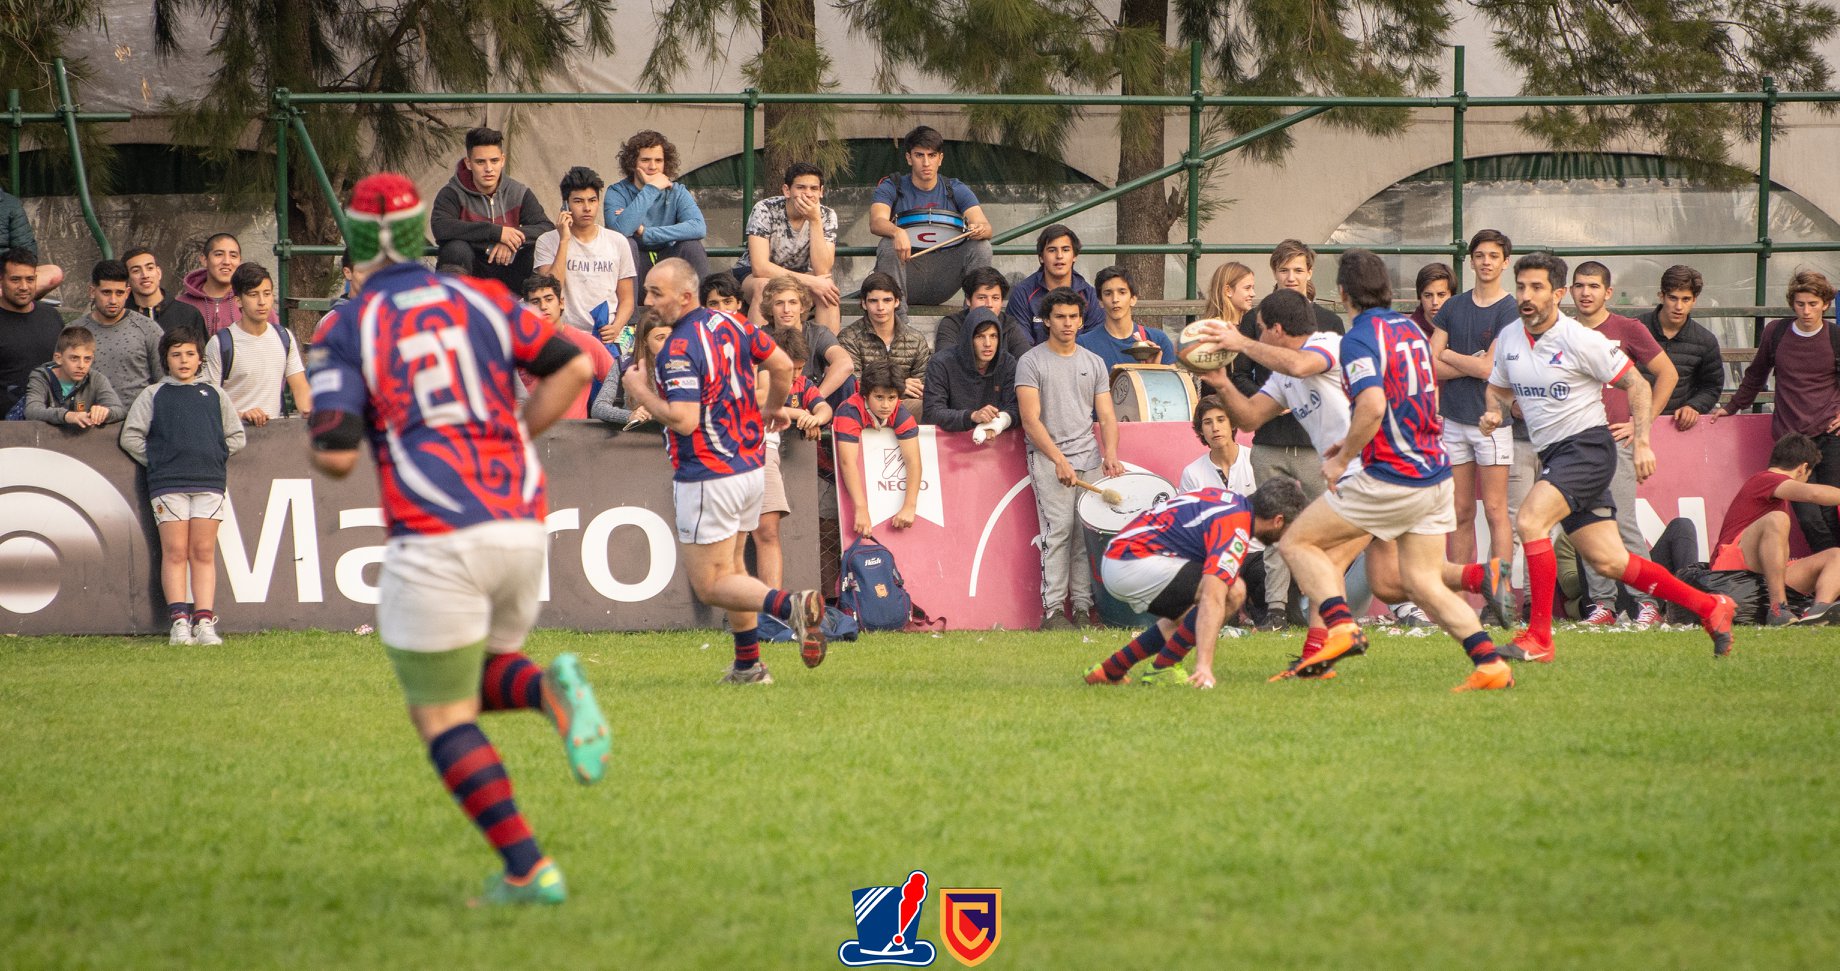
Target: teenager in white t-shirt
{"points": [[593, 262], [263, 359]]}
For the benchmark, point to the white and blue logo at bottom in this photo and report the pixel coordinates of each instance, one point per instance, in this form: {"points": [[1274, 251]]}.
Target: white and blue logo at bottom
{"points": [[887, 919]]}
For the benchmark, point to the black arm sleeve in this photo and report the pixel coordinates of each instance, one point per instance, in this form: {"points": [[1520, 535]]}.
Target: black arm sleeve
{"points": [[552, 357], [336, 431]]}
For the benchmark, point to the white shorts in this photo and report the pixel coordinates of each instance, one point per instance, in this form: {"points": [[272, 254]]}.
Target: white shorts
{"points": [[1139, 582], [712, 510], [1388, 510], [1466, 445], [179, 507], [446, 590]]}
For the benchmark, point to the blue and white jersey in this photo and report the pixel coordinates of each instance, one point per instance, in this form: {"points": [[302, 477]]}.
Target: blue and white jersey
{"points": [[1559, 378], [1318, 402], [1386, 350]]}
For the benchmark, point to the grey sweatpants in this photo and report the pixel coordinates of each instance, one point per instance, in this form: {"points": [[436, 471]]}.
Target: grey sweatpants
{"points": [[1065, 573], [933, 279], [1304, 465], [1521, 476], [1623, 492]]}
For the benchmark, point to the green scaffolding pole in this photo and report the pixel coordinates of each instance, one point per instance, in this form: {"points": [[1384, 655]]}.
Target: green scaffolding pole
{"points": [[68, 110], [1457, 173]]}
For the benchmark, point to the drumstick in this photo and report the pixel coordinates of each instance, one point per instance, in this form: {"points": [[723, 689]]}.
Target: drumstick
{"points": [[1112, 497], [935, 246]]}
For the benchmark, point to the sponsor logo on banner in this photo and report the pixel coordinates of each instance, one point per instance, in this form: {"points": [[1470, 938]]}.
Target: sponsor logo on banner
{"points": [[971, 923], [885, 476], [888, 925], [82, 533]]}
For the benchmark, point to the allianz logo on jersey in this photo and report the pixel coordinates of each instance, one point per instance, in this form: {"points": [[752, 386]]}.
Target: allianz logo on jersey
{"points": [[1557, 391]]}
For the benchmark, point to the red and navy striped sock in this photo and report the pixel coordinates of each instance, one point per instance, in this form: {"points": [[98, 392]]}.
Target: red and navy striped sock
{"points": [[511, 681], [1180, 642], [199, 616], [778, 603], [1334, 610], [470, 767], [1142, 646], [1480, 648], [179, 611], [747, 648]]}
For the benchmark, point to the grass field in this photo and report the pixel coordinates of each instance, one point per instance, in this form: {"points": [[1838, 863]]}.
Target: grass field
{"points": [[265, 804]]}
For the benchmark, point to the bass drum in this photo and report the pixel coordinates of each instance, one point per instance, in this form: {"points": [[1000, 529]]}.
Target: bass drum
{"points": [[1153, 392], [1100, 521]]}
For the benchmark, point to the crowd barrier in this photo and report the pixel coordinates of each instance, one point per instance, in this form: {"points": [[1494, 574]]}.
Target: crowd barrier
{"points": [[971, 558], [79, 553]]}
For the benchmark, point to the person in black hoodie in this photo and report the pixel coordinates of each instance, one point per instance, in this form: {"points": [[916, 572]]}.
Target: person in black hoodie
{"points": [[486, 223], [973, 386]]}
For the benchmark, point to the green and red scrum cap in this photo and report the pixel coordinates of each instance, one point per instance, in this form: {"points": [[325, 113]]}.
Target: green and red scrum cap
{"points": [[386, 221]]}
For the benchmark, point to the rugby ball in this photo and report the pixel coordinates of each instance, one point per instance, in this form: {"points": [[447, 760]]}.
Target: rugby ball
{"points": [[1197, 355]]}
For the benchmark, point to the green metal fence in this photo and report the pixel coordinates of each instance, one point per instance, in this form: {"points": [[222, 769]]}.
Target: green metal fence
{"points": [[289, 121], [69, 117]]}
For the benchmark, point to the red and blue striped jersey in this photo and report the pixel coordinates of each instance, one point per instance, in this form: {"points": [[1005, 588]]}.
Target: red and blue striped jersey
{"points": [[1212, 527], [710, 359], [1386, 350], [853, 417], [431, 363]]}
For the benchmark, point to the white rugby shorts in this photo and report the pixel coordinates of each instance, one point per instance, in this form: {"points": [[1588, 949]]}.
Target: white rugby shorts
{"points": [[712, 510], [179, 507], [1388, 510], [442, 591], [1465, 444]]}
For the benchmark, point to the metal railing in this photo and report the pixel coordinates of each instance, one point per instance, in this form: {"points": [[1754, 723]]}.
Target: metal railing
{"points": [[68, 116], [288, 118]]}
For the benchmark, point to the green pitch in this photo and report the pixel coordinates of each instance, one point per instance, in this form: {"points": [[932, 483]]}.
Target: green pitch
{"points": [[265, 804]]}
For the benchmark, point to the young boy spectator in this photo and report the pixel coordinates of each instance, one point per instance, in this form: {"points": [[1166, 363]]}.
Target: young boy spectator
{"points": [[1462, 340], [1434, 290], [1060, 387], [721, 291], [973, 386], [183, 430], [147, 299], [1227, 465], [1693, 349], [1803, 352], [591, 265], [1755, 534], [881, 338], [547, 295], [66, 392], [659, 217], [1113, 340], [986, 287], [877, 405], [127, 343], [794, 233], [485, 222], [1591, 293], [28, 329], [207, 289], [255, 361], [935, 208], [16, 233], [1057, 247]]}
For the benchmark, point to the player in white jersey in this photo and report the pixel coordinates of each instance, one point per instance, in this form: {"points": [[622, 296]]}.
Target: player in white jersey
{"points": [[1306, 380], [1556, 369]]}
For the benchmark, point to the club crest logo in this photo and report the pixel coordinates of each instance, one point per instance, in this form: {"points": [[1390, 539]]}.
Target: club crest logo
{"points": [[971, 923], [887, 926]]}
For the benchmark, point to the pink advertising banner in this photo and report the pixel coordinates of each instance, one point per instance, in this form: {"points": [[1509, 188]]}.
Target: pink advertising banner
{"points": [[970, 555]]}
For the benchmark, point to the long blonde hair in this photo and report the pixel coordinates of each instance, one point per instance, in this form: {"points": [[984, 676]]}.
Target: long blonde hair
{"points": [[1225, 278]]}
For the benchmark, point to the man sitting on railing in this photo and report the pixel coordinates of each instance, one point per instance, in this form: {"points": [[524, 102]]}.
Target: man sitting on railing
{"points": [[1693, 349], [485, 222], [794, 234], [923, 212]]}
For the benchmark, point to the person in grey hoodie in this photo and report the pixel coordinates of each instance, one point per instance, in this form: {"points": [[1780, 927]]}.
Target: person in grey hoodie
{"points": [[486, 223], [660, 217], [66, 392], [127, 343], [973, 384]]}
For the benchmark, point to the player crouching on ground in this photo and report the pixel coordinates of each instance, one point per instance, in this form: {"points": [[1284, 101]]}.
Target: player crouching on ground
{"points": [[425, 366], [1180, 560], [1755, 535]]}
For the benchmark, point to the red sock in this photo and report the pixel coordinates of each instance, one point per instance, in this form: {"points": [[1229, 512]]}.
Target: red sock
{"points": [[1473, 574], [1542, 573], [1313, 641], [1649, 577], [510, 681]]}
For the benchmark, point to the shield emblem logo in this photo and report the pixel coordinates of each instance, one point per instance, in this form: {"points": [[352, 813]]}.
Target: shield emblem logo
{"points": [[971, 923]]}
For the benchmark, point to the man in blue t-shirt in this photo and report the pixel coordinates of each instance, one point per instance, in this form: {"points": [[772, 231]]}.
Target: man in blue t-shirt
{"points": [[1117, 333], [1462, 342], [922, 209]]}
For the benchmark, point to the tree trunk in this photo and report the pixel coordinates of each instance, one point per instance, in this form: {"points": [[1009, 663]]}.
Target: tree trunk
{"points": [[310, 220], [788, 45], [1143, 216]]}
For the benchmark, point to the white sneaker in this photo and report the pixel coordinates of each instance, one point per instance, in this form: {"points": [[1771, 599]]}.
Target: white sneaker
{"points": [[1648, 616], [205, 632], [181, 632]]}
